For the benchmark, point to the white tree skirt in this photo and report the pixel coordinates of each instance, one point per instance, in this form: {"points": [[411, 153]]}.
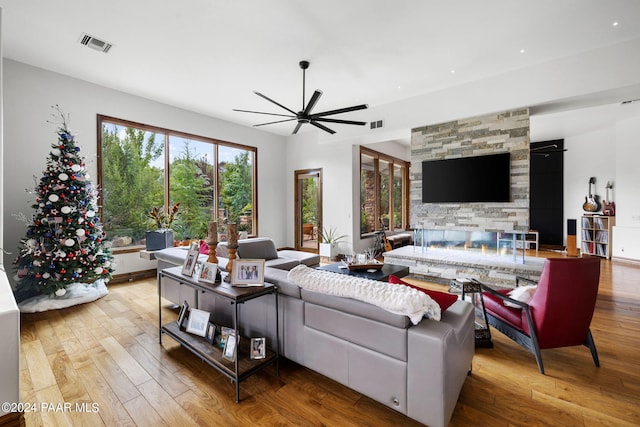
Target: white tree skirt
{"points": [[77, 293]]}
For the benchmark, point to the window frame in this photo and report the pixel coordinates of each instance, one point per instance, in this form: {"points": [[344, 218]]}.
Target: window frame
{"points": [[167, 196], [392, 163]]}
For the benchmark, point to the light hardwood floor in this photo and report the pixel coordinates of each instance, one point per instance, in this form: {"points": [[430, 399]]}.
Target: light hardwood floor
{"points": [[106, 356]]}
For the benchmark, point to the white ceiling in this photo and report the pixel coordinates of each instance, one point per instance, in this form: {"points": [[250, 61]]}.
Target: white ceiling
{"points": [[208, 56]]}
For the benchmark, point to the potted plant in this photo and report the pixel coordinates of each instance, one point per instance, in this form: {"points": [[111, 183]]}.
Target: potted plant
{"points": [[162, 236], [243, 230], [329, 240]]}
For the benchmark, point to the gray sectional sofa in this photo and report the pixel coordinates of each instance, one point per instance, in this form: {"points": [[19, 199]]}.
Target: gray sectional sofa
{"points": [[417, 370]]}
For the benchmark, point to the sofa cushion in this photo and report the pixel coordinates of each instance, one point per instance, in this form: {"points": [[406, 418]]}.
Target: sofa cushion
{"points": [[258, 248], [278, 277], [395, 299], [281, 263], [444, 299], [355, 307], [176, 255], [307, 258]]}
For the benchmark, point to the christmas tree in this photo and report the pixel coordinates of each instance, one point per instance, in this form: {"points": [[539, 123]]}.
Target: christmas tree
{"points": [[65, 241]]}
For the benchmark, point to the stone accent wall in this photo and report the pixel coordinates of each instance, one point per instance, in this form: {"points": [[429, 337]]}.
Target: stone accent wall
{"points": [[489, 134]]}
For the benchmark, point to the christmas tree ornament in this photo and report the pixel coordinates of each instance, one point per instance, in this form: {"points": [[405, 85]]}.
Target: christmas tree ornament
{"points": [[61, 292], [53, 198]]}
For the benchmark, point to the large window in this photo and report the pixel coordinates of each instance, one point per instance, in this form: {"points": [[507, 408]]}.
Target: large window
{"points": [[142, 166], [384, 186]]}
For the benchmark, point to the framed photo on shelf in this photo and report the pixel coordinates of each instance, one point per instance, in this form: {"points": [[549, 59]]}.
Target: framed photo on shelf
{"points": [[224, 334], [192, 259], [208, 272], [230, 345], [211, 332], [258, 348], [247, 272], [198, 322], [183, 314]]}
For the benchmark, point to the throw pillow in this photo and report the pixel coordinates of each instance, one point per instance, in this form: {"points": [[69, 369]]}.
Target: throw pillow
{"points": [[522, 294], [204, 248], [444, 300]]}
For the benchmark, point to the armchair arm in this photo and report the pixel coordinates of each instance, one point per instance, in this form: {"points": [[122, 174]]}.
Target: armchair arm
{"points": [[503, 297]]}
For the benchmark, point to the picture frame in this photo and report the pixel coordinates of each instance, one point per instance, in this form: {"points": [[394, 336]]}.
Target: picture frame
{"points": [[221, 339], [210, 336], [229, 351], [198, 322], [183, 314], [258, 348], [247, 272], [191, 260], [208, 272]]}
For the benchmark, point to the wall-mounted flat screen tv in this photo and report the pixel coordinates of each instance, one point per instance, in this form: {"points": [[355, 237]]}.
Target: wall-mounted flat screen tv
{"points": [[467, 179]]}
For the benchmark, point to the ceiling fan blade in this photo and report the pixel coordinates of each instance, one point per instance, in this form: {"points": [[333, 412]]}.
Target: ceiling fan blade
{"points": [[261, 112], [324, 128], [298, 126], [277, 121], [312, 102], [271, 100], [344, 122], [339, 111]]}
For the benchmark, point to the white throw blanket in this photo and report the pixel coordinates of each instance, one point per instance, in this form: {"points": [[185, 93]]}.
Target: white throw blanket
{"points": [[397, 299]]}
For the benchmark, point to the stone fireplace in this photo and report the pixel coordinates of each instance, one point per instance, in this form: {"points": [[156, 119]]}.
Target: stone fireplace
{"points": [[489, 134]]}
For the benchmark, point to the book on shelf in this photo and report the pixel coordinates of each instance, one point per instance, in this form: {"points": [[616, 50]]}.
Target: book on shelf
{"points": [[598, 223], [602, 236]]}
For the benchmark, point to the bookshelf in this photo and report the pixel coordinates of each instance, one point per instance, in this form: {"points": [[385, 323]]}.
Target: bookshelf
{"points": [[596, 235]]}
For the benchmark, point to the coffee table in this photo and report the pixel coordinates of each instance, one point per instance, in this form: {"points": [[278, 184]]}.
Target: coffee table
{"points": [[381, 275]]}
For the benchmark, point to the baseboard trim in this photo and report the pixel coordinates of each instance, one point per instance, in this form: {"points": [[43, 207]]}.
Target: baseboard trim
{"points": [[12, 419], [136, 275], [626, 260]]}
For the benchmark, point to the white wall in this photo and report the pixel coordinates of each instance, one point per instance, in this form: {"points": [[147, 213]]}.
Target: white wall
{"points": [[588, 155], [335, 160], [611, 154], [31, 92], [626, 234]]}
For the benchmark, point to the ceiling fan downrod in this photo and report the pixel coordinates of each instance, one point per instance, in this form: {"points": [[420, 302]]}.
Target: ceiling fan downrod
{"points": [[304, 65]]}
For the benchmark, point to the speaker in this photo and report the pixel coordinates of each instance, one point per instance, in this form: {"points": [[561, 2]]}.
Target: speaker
{"points": [[572, 249]]}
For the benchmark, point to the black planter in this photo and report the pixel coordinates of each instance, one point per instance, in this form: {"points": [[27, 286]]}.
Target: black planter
{"points": [[159, 239]]}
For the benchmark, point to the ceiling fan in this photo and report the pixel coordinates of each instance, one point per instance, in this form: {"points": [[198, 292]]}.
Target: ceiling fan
{"points": [[305, 115]]}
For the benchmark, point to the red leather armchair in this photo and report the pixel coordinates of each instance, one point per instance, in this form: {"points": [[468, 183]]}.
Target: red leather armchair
{"points": [[559, 312]]}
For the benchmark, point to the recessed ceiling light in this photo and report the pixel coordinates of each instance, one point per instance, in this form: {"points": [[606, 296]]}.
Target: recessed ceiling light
{"points": [[453, 71], [522, 50], [615, 23]]}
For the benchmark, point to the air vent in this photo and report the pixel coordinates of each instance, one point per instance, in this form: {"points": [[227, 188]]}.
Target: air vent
{"points": [[377, 124], [94, 43]]}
